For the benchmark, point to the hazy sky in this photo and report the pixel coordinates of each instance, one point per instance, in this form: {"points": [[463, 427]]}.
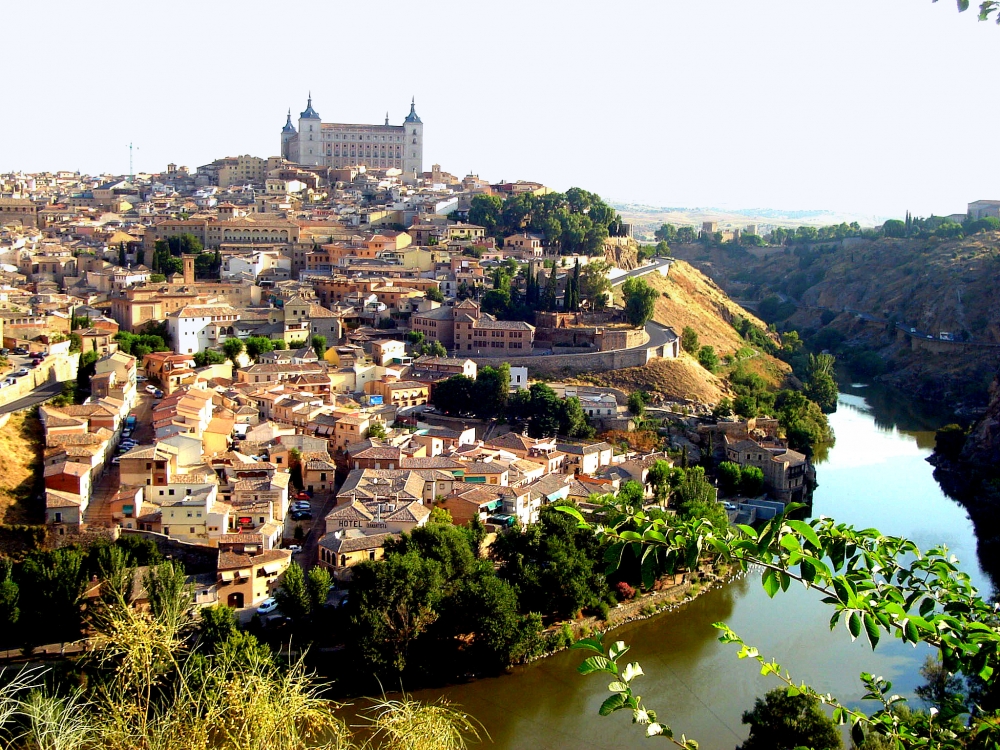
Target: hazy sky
{"points": [[873, 106]]}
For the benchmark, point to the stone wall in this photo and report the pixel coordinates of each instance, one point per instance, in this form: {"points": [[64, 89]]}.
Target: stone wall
{"points": [[53, 369], [196, 558]]}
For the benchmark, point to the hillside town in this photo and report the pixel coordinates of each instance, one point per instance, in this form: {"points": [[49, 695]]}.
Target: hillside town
{"points": [[247, 361]]}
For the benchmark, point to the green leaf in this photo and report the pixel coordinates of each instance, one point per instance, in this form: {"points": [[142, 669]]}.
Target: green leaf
{"points": [[910, 631], [617, 649], [597, 664], [770, 582], [872, 629], [807, 570], [617, 687], [854, 625], [611, 704], [807, 531], [590, 644], [569, 510]]}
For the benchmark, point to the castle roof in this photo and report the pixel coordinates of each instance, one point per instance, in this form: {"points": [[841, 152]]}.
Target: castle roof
{"points": [[309, 113], [289, 128], [412, 117]]}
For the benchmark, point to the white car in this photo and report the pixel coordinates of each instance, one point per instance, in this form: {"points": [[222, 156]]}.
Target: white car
{"points": [[151, 389], [293, 548], [24, 371], [267, 606]]}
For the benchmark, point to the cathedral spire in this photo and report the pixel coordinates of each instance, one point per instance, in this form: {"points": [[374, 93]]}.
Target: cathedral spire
{"points": [[289, 128], [387, 118]]}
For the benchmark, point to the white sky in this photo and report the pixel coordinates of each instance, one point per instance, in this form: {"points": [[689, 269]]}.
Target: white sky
{"points": [[871, 106]]}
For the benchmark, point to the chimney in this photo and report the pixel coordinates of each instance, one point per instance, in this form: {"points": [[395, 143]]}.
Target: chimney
{"points": [[188, 261]]}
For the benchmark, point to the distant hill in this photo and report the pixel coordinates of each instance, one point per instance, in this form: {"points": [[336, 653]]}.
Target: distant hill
{"points": [[647, 219]]}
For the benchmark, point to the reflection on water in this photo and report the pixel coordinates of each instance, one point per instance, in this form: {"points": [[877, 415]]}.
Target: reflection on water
{"points": [[875, 475]]}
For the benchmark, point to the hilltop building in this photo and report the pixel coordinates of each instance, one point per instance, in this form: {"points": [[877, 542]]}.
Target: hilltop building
{"points": [[338, 145]]}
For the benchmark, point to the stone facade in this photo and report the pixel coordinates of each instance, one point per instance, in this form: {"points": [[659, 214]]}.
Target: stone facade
{"points": [[340, 145]]}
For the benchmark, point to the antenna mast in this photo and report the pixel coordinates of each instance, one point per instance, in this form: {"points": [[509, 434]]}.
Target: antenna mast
{"points": [[131, 173]]}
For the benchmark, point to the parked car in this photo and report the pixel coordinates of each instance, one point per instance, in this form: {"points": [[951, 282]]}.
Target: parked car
{"points": [[150, 389], [303, 496], [116, 460], [9, 381], [19, 350], [4, 351], [141, 378], [21, 372], [293, 548], [157, 393], [267, 606], [302, 515], [729, 506]]}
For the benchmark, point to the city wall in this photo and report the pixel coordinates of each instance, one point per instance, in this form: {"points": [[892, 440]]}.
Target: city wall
{"points": [[57, 368]]}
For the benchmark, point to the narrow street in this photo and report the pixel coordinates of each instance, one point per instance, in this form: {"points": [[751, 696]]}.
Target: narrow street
{"points": [[98, 511]]}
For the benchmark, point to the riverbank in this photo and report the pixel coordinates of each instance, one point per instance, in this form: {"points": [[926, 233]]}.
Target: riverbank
{"points": [[663, 599]]}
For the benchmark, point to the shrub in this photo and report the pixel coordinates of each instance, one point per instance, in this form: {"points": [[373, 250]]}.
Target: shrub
{"points": [[624, 591]]}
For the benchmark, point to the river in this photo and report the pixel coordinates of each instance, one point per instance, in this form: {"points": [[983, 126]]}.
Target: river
{"points": [[875, 475]]}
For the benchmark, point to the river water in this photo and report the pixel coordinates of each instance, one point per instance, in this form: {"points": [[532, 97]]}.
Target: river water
{"points": [[876, 475]]}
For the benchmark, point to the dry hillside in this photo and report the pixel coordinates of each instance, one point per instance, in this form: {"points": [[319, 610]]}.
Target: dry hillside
{"points": [[21, 448], [673, 379], [689, 298]]}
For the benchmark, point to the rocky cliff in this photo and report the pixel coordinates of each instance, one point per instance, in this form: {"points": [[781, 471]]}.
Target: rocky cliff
{"points": [[982, 447], [849, 290]]}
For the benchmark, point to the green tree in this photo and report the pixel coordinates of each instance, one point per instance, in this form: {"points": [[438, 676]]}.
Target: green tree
{"points": [[216, 625], [785, 722], [548, 299], [415, 337], [456, 395], [751, 481], [637, 403], [319, 345], [491, 391], [640, 301], [595, 284], [9, 597], [295, 468], [666, 233], [317, 588], [485, 211], [233, 348], [708, 359], [572, 420], [730, 477], [209, 357], [689, 340], [257, 345], [376, 431], [434, 294], [293, 595], [658, 477], [393, 602]]}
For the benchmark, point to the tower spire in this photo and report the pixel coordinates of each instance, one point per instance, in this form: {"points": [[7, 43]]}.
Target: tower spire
{"points": [[387, 117]]}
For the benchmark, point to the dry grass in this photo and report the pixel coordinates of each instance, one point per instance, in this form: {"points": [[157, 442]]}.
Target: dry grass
{"points": [[21, 445], [674, 379]]}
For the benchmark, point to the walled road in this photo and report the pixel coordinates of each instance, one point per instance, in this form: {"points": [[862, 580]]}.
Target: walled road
{"points": [[37, 396], [656, 265]]}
